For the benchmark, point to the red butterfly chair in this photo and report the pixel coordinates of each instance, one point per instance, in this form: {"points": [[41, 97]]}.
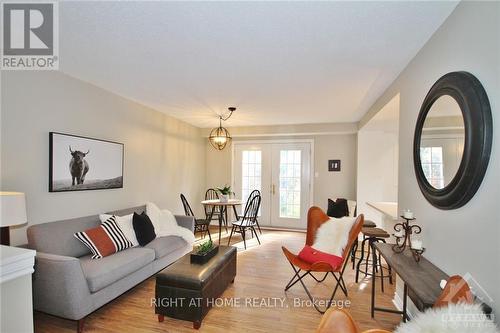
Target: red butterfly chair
{"points": [[315, 218]]}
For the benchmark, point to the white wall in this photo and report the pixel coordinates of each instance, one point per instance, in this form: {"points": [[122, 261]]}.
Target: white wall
{"points": [[377, 172], [163, 156], [378, 163], [464, 240]]}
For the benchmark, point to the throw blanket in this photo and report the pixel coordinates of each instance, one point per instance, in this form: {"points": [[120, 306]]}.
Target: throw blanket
{"points": [[461, 317], [333, 235], [165, 224]]}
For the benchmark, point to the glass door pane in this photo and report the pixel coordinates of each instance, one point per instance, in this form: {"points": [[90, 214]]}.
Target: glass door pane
{"points": [[290, 189], [251, 166], [289, 183]]}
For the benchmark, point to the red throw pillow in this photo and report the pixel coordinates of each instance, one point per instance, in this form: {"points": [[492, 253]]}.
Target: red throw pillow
{"points": [[311, 256], [105, 239]]}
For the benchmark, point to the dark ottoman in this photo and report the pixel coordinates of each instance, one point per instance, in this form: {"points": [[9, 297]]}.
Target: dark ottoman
{"points": [[186, 291]]}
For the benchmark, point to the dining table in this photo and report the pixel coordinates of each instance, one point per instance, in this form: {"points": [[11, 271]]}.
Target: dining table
{"points": [[223, 205]]}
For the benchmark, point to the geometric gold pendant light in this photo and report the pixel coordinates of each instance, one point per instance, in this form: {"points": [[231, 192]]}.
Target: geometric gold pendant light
{"points": [[219, 137]]}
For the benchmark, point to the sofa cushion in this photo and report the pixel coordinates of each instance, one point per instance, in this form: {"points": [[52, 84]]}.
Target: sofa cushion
{"points": [[103, 272], [143, 227], [58, 237], [165, 245]]}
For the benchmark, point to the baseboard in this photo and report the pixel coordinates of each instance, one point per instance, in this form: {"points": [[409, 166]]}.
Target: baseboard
{"points": [[411, 309]]}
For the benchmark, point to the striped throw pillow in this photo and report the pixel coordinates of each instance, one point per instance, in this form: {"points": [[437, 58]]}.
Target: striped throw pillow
{"points": [[105, 239]]}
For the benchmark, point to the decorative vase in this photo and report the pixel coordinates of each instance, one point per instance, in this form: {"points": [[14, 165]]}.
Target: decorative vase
{"points": [[224, 197]]}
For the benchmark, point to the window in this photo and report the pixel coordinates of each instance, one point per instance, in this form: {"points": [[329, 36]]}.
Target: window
{"points": [[432, 165], [251, 172], [290, 178]]}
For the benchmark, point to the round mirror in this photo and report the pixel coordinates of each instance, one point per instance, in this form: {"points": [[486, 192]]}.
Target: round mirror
{"points": [[452, 143], [442, 142]]}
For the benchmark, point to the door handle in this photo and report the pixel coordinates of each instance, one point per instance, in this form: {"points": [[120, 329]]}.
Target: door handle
{"points": [[274, 189]]}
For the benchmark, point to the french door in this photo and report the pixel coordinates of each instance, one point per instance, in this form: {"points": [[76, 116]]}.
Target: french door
{"points": [[282, 173]]}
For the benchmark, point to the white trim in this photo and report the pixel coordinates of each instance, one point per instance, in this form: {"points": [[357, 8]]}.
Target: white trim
{"points": [[294, 134], [271, 141], [15, 262]]}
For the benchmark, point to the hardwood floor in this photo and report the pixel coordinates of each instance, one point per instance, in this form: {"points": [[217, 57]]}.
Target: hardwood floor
{"points": [[262, 273]]}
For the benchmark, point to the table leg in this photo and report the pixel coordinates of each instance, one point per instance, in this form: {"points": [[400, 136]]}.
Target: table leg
{"points": [[226, 222], [220, 222], [373, 281], [405, 294], [209, 218]]}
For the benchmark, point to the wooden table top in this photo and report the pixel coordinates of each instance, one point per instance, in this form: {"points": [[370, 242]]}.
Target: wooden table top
{"points": [[217, 202], [422, 277]]}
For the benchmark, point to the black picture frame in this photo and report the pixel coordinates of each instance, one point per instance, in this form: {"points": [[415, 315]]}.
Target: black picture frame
{"points": [[473, 101], [334, 165], [58, 185]]}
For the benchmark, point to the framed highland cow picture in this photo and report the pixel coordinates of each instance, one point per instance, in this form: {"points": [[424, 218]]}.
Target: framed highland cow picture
{"points": [[79, 163]]}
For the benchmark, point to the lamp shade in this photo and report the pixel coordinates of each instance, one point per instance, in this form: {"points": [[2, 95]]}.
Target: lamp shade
{"points": [[12, 209]]}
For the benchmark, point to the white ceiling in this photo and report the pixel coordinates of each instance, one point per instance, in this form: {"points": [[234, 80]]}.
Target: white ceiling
{"points": [[278, 62]]}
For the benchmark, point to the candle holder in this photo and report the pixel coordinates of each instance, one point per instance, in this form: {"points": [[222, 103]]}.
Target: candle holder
{"points": [[404, 230], [417, 253]]}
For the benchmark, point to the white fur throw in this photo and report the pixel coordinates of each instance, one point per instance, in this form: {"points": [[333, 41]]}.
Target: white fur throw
{"points": [[462, 318], [165, 224], [333, 235]]}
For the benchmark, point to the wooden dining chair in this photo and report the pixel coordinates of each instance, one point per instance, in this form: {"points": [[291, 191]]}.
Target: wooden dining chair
{"points": [[252, 195], [247, 221], [212, 194], [315, 218], [200, 225]]}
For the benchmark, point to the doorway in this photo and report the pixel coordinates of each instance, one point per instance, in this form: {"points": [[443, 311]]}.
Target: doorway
{"points": [[281, 171]]}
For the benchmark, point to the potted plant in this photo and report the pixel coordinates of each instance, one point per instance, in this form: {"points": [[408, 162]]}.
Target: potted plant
{"points": [[204, 252], [225, 192]]}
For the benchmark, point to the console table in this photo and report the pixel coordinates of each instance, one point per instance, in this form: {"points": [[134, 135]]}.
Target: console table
{"points": [[421, 279]]}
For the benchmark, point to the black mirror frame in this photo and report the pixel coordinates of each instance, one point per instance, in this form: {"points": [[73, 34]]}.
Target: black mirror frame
{"points": [[470, 95]]}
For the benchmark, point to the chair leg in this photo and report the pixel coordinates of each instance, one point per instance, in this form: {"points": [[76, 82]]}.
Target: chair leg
{"points": [[231, 235], [298, 278], [368, 257], [312, 298], [381, 272], [353, 254], [323, 279], [295, 278], [255, 232], [244, 237], [208, 232], [258, 226], [360, 259]]}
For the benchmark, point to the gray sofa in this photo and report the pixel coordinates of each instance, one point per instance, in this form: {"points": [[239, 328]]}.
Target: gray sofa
{"points": [[69, 284]]}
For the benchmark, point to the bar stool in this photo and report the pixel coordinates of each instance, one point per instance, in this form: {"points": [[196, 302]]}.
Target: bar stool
{"points": [[373, 235], [366, 224]]}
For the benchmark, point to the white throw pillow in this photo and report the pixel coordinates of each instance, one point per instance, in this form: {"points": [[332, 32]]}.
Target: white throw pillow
{"points": [[163, 221], [333, 235], [125, 223]]}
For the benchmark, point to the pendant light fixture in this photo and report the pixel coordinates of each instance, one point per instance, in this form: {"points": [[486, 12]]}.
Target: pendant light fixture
{"points": [[219, 136]]}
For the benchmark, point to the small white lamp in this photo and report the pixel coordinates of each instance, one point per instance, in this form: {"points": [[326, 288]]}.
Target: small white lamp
{"points": [[12, 212]]}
